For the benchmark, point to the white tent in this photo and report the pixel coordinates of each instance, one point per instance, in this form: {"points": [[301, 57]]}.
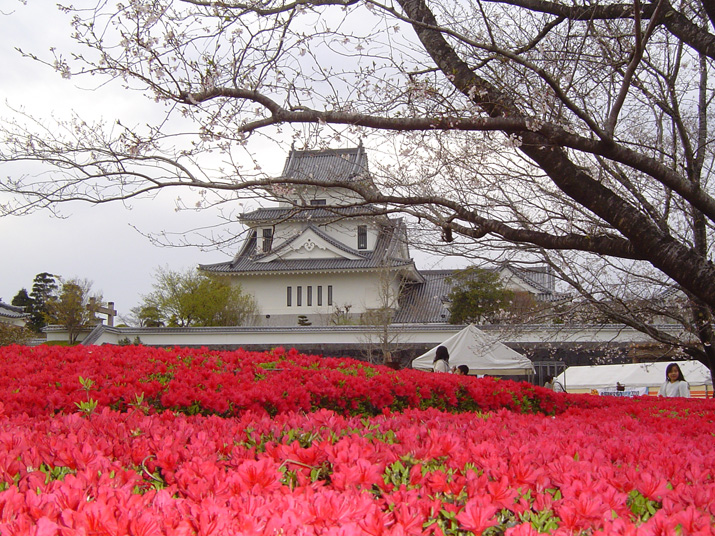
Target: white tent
{"points": [[481, 353], [631, 375]]}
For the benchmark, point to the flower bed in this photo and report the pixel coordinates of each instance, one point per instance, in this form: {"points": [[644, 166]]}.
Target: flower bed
{"points": [[49, 379], [596, 466]]}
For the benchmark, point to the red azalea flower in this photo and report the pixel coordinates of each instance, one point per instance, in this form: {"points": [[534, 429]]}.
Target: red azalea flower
{"points": [[585, 511], [477, 516], [409, 518], [692, 523], [257, 476], [145, 525], [525, 529], [652, 487], [501, 493]]}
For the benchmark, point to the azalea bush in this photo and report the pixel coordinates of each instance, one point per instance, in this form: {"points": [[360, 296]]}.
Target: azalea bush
{"points": [[111, 454], [46, 379]]}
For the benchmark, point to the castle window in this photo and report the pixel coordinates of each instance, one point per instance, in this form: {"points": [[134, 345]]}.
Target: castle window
{"points": [[330, 294], [298, 296], [289, 296], [267, 240], [309, 296], [252, 242], [320, 295], [362, 236], [318, 202]]}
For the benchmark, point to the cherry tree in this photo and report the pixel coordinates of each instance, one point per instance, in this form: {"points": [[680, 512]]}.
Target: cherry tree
{"points": [[573, 132]]}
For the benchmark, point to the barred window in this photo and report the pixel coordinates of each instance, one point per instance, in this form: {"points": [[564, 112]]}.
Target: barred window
{"points": [[267, 240], [362, 236]]}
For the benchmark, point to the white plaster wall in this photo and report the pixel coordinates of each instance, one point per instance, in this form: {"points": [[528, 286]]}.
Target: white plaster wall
{"points": [[272, 336], [409, 333], [360, 290], [285, 231], [511, 282], [310, 245], [344, 231], [19, 322], [302, 195]]}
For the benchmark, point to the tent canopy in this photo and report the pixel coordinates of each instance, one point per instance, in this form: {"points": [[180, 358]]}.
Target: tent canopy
{"points": [[481, 353], [631, 375]]}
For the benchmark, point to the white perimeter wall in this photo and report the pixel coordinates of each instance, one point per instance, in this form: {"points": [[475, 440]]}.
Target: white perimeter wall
{"points": [[408, 333]]}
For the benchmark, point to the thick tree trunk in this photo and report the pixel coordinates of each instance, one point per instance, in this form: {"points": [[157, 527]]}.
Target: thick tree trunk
{"points": [[681, 263]]}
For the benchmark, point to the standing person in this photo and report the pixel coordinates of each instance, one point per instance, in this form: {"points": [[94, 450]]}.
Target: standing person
{"points": [[552, 384], [462, 370], [675, 384], [441, 360]]}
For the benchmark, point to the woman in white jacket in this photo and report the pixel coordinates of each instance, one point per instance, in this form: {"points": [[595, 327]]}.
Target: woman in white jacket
{"points": [[441, 360], [675, 384]]}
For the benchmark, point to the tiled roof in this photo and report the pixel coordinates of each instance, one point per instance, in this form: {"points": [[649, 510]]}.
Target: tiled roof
{"points": [[322, 213], [344, 165], [385, 253], [542, 279], [12, 311], [538, 277], [425, 302]]}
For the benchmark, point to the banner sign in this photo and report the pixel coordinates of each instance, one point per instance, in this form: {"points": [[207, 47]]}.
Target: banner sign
{"points": [[631, 391]]}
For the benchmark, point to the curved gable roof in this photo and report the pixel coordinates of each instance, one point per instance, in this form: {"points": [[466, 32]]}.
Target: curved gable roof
{"points": [[386, 253], [288, 246]]}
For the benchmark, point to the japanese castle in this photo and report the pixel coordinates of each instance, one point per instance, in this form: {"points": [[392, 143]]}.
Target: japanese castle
{"points": [[323, 256]]}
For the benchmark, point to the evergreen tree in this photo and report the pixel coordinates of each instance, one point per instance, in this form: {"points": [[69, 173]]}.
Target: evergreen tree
{"points": [[22, 299], [44, 291], [477, 296]]}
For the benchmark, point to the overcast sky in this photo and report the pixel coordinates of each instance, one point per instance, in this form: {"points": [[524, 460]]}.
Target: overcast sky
{"points": [[98, 243]]}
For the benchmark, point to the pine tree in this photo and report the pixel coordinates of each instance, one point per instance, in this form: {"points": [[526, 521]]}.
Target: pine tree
{"points": [[22, 299], [44, 291]]}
